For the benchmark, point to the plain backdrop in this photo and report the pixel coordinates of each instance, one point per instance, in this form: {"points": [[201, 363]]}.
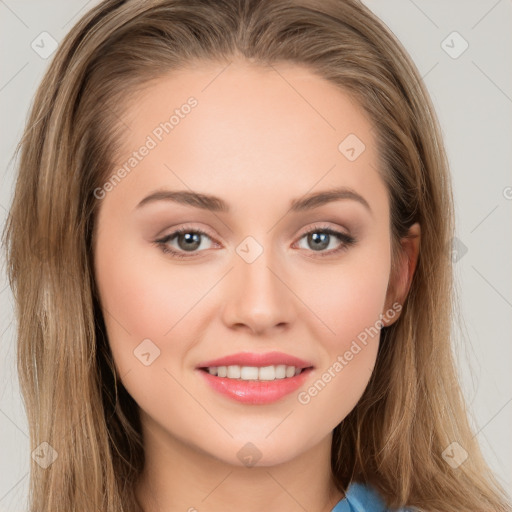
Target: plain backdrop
{"points": [[463, 51]]}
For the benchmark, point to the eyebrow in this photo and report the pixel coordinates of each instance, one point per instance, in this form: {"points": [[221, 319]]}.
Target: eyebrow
{"points": [[216, 204]]}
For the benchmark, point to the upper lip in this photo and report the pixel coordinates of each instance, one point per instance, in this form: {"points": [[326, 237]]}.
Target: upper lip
{"points": [[255, 359]]}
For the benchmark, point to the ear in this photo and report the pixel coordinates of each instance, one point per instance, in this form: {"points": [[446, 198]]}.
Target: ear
{"points": [[401, 277]]}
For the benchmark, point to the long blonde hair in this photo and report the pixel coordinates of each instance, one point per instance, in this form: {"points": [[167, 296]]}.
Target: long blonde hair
{"points": [[412, 409]]}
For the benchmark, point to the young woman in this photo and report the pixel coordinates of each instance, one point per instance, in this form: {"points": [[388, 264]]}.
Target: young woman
{"points": [[229, 251]]}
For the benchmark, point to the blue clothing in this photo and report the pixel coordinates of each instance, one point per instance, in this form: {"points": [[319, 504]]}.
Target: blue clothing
{"points": [[362, 498]]}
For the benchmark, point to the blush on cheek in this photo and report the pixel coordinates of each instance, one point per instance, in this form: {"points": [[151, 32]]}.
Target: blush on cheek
{"points": [[145, 300], [350, 305], [359, 315]]}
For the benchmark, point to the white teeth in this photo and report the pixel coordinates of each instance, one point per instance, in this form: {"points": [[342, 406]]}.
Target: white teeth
{"points": [[280, 371], [249, 373], [267, 373], [233, 372]]}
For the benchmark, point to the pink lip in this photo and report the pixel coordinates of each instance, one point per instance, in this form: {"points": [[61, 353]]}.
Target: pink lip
{"points": [[254, 359], [251, 391], [255, 392]]}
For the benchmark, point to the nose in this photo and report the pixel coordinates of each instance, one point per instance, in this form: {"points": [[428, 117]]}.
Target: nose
{"points": [[258, 298]]}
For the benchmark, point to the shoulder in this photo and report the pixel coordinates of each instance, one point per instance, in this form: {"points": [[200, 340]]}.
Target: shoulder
{"points": [[363, 498]]}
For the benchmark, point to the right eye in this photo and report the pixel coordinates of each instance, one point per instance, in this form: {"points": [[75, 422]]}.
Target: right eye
{"points": [[188, 241]]}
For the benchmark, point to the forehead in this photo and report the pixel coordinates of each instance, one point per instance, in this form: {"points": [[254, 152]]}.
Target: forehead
{"points": [[274, 128]]}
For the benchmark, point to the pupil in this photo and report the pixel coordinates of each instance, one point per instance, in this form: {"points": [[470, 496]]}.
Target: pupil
{"points": [[192, 241], [320, 240]]}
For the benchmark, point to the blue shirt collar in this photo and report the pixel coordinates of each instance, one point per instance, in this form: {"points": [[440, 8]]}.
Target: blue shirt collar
{"points": [[360, 498]]}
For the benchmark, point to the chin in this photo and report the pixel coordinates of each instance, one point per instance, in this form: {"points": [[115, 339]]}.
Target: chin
{"points": [[262, 452]]}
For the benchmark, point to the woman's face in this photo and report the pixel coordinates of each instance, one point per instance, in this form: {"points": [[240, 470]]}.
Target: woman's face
{"points": [[266, 146]]}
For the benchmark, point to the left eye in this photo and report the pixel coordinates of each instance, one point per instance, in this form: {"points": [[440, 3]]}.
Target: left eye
{"points": [[320, 239]]}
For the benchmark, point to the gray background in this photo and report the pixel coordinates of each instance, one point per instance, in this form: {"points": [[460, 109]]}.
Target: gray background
{"points": [[473, 97]]}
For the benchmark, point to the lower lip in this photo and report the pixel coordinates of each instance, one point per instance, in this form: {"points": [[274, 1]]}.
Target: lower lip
{"points": [[256, 392]]}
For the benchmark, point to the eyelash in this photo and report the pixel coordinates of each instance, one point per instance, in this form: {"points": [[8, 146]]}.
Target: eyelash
{"points": [[347, 241]]}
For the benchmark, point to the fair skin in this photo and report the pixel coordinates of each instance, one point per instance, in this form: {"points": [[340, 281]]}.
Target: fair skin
{"points": [[257, 144]]}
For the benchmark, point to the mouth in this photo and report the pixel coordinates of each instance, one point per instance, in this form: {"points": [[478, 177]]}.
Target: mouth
{"points": [[255, 379]]}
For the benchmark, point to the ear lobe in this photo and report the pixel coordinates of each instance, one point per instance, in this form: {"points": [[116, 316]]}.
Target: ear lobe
{"points": [[401, 278]]}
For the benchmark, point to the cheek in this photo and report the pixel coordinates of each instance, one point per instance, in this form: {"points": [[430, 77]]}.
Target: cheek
{"points": [[148, 302], [142, 299], [350, 297], [350, 306]]}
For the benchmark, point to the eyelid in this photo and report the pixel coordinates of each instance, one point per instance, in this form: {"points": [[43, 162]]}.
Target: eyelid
{"points": [[322, 226], [184, 227]]}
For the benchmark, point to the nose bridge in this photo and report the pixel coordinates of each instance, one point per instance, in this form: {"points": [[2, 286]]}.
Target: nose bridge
{"points": [[258, 296]]}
